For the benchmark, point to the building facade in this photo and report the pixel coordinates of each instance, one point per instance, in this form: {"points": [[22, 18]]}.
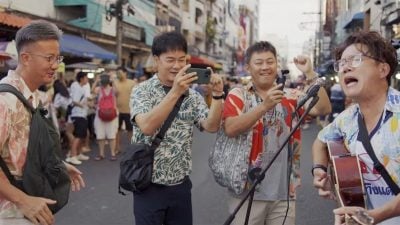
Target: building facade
{"points": [[216, 30]]}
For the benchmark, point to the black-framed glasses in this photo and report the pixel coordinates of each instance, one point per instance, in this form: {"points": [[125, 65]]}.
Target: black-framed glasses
{"points": [[353, 61], [49, 58]]}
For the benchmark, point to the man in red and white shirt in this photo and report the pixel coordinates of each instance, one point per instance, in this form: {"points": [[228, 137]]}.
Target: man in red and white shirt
{"points": [[267, 113]]}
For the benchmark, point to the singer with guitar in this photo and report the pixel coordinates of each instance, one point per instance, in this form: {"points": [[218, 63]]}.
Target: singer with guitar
{"points": [[369, 129], [263, 109]]}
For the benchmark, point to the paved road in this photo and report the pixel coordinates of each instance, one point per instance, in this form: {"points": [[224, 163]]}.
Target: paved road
{"points": [[100, 204]]}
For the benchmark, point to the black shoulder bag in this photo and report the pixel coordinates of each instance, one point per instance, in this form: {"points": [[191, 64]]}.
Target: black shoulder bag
{"points": [[136, 166], [44, 173], [377, 165]]}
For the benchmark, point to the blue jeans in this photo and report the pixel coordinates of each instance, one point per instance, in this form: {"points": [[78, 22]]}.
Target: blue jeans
{"points": [[164, 205]]}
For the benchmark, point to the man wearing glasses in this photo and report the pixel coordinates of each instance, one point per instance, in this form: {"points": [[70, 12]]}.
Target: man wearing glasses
{"points": [[51, 59], [365, 64], [39, 55]]}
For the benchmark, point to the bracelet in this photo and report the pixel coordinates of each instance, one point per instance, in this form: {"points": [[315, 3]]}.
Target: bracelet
{"points": [[218, 97], [318, 166]]}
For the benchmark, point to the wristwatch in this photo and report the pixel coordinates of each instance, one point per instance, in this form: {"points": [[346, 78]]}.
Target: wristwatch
{"points": [[318, 166], [218, 97]]}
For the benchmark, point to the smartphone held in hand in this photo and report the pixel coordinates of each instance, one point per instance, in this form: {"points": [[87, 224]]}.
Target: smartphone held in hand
{"points": [[281, 78], [203, 75]]}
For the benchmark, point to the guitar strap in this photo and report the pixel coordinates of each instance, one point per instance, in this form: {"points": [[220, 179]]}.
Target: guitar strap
{"points": [[363, 134]]}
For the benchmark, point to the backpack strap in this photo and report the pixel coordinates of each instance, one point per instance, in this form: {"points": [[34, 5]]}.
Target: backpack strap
{"points": [[6, 171], [103, 91], [11, 89]]}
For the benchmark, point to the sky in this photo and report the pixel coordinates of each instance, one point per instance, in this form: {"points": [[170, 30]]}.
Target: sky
{"points": [[289, 18]]}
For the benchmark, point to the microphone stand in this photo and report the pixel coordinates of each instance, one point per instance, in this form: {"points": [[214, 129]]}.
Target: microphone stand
{"points": [[259, 177]]}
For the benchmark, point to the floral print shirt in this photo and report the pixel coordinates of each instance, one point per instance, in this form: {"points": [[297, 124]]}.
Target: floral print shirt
{"points": [[269, 133], [173, 158], [385, 141], [14, 134]]}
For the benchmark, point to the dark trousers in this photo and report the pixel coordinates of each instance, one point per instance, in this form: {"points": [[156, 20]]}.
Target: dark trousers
{"points": [[164, 205]]}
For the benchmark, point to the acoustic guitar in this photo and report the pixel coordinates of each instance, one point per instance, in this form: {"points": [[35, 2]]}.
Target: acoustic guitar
{"points": [[346, 178]]}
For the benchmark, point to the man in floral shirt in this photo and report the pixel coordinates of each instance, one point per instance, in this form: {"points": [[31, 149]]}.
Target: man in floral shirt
{"points": [[168, 199], [269, 119], [39, 55], [366, 63]]}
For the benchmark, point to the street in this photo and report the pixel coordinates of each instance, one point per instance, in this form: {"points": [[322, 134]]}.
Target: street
{"points": [[100, 204]]}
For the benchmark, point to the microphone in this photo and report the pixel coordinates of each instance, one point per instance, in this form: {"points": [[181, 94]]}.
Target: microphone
{"points": [[311, 92]]}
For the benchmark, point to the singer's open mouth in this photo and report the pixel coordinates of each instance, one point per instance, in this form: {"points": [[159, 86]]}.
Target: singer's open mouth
{"points": [[349, 80]]}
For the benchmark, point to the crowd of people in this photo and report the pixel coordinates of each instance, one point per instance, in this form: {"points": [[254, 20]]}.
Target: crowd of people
{"points": [[258, 113], [76, 109]]}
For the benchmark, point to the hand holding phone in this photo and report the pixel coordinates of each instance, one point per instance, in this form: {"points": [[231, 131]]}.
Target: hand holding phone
{"points": [[203, 75]]}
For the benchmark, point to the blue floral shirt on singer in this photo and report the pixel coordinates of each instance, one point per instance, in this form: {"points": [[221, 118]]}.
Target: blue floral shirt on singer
{"points": [[173, 158], [385, 140]]}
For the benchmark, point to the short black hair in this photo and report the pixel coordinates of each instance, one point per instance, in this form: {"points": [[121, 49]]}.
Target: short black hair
{"points": [[80, 75], [105, 79], [168, 41], [261, 46], [123, 68]]}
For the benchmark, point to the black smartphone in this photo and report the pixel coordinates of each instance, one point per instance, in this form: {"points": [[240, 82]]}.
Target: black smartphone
{"points": [[203, 75], [281, 78]]}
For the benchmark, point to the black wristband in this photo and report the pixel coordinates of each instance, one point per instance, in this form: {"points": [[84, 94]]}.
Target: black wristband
{"points": [[218, 97], [318, 166]]}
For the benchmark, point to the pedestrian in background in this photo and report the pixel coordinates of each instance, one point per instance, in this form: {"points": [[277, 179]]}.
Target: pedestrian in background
{"points": [[268, 119], [123, 88], [168, 199], [105, 130], [39, 55], [79, 119]]}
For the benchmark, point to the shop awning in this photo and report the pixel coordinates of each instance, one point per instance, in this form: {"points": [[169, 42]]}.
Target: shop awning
{"points": [[83, 65], [198, 61], [81, 47], [357, 19], [8, 48], [13, 20]]}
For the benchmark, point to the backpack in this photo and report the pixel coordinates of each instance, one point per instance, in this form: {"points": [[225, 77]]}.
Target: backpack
{"points": [[106, 106], [44, 173]]}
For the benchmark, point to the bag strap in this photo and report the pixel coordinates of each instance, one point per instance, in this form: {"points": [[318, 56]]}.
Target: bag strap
{"points": [[11, 89], [103, 92], [6, 171], [377, 165], [157, 140]]}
